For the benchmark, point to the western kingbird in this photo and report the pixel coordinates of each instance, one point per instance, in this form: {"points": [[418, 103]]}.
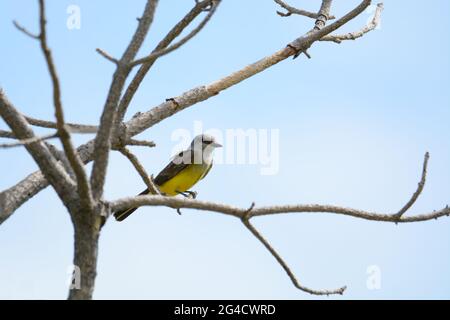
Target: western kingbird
{"points": [[184, 171]]}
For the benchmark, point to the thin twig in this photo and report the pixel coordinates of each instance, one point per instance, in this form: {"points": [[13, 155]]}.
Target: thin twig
{"points": [[140, 169], [72, 127], [246, 221], [419, 190], [7, 134], [25, 31], [24, 142], [107, 56], [193, 33], [142, 143], [292, 10], [357, 34], [144, 68]]}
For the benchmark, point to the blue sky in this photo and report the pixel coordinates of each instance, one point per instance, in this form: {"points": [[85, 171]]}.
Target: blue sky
{"points": [[354, 123]]}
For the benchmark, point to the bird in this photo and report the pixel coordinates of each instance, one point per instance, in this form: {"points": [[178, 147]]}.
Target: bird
{"points": [[183, 171]]}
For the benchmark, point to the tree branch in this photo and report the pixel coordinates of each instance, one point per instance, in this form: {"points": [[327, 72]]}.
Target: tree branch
{"points": [[147, 119], [140, 169], [84, 189], [14, 197], [291, 10], [107, 56], [169, 49], [25, 31], [71, 127], [142, 143], [184, 203], [143, 70], [7, 134], [246, 214], [419, 190], [53, 172], [23, 142], [323, 15], [357, 34], [103, 139], [193, 96], [276, 255]]}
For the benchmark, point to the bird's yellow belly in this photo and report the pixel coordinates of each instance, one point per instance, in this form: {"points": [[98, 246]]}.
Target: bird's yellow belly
{"points": [[184, 180]]}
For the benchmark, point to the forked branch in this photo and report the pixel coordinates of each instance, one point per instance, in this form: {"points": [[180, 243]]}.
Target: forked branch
{"points": [[246, 214], [419, 190], [292, 10], [357, 34], [193, 33]]}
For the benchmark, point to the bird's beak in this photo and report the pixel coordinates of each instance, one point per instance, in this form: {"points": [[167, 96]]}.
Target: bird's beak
{"points": [[216, 145]]}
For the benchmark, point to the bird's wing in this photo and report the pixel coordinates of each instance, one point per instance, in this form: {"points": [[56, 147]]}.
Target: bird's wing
{"points": [[180, 162]]}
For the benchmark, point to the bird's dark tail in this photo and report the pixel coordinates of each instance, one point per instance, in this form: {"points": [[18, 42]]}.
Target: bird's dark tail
{"points": [[123, 214]]}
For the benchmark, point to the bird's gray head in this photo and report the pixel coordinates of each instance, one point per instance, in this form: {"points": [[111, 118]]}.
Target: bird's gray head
{"points": [[204, 142]]}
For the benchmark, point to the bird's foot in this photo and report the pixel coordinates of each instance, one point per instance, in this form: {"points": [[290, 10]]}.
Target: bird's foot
{"points": [[192, 194], [188, 194]]}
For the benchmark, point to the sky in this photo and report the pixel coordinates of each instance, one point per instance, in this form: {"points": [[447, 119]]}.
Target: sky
{"points": [[349, 127]]}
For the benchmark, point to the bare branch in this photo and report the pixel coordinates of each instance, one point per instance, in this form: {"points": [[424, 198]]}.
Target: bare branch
{"points": [[53, 171], [84, 189], [357, 34], [72, 127], [246, 214], [143, 70], [107, 56], [303, 43], [142, 143], [147, 119], [291, 10], [181, 203], [193, 96], [28, 141], [103, 139], [276, 255], [86, 235], [14, 197], [419, 190], [7, 134], [321, 21], [322, 16], [193, 33], [140, 169], [25, 31]]}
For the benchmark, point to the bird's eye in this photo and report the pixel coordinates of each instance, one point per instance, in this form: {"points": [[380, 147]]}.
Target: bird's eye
{"points": [[207, 142]]}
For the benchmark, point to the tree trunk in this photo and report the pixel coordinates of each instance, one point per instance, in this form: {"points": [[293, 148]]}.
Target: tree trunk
{"points": [[85, 260]]}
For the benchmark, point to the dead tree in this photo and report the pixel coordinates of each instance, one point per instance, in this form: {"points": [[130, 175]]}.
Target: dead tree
{"points": [[82, 193]]}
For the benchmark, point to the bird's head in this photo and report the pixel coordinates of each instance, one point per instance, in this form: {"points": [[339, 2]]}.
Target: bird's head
{"points": [[205, 142]]}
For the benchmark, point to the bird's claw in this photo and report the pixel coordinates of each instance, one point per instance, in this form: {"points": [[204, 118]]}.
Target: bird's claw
{"points": [[188, 194]]}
